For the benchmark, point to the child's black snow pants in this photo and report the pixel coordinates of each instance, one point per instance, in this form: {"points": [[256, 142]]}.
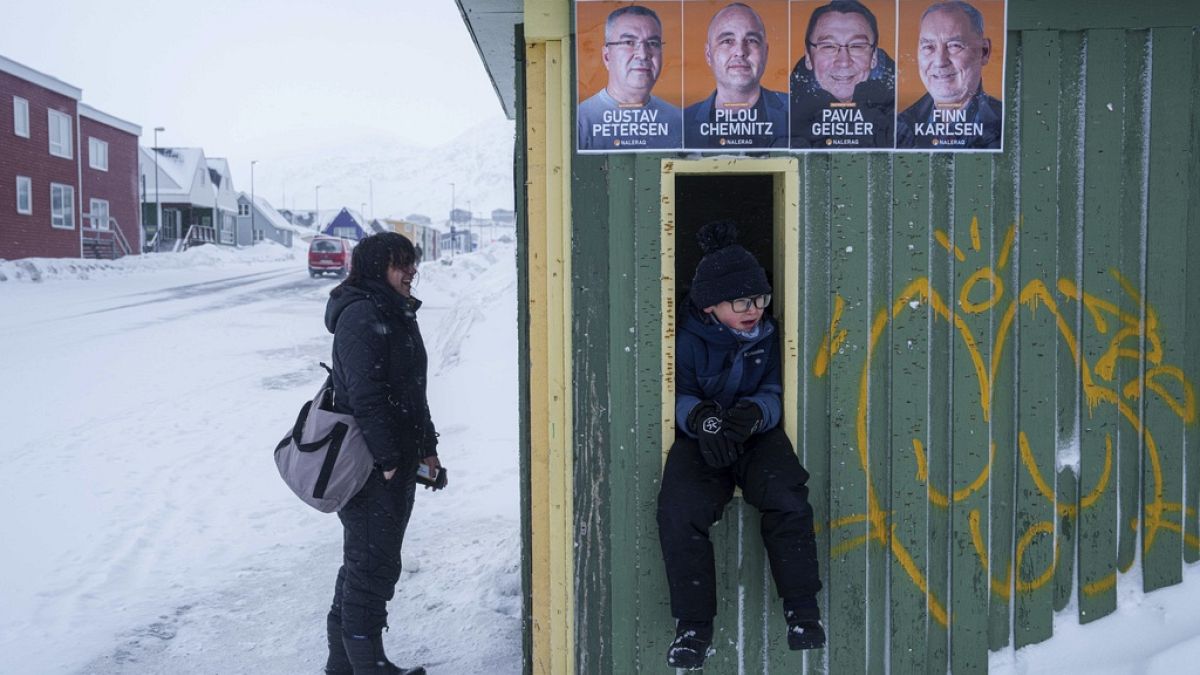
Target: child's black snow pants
{"points": [[373, 522], [692, 498]]}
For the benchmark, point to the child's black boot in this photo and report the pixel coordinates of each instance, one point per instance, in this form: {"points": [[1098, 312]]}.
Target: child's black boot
{"points": [[804, 629], [692, 644]]}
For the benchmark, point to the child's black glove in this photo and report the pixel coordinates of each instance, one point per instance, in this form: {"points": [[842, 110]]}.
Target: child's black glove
{"points": [[741, 421], [716, 449]]}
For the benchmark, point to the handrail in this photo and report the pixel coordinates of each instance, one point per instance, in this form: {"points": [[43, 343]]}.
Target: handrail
{"points": [[179, 243], [115, 227]]}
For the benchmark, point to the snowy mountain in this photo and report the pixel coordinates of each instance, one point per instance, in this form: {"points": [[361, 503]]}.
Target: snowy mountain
{"points": [[397, 178]]}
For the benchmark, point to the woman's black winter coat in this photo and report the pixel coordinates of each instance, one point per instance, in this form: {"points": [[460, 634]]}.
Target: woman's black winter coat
{"points": [[379, 371]]}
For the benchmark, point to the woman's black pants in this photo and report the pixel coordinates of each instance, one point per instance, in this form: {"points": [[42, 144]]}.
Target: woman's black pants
{"points": [[373, 522]]}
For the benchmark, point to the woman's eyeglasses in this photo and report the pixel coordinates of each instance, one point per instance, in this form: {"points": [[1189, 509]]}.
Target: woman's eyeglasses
{"points": [[743, 305]]}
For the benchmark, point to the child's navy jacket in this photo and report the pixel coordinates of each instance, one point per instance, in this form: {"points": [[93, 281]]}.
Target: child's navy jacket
{"points": [[713, 362]]}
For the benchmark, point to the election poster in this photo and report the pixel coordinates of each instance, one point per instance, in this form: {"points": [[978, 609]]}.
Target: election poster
{"points": [[790, 75]]}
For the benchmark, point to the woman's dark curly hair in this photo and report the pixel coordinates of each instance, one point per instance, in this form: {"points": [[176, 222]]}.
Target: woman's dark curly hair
{"points": [[375, 254]]}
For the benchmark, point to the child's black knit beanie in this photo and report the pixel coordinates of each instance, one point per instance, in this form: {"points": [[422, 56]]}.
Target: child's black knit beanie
{"points": [[727, 271]]}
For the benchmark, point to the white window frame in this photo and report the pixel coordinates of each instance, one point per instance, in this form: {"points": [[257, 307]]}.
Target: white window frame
{"points": [[60, 125], [243, 209], [96, 206], [97, 153], [62, 217], [25, 190], [20, 117]]}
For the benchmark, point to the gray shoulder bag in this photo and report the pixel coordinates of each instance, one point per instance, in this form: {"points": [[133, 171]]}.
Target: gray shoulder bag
{"points": [[324, 458]]}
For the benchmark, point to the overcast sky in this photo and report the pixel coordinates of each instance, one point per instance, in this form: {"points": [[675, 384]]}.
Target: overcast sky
{"points": [[252, 79]]}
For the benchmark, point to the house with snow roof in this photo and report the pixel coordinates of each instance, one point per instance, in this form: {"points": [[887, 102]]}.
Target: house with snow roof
{"points": [[346, 225], [191, 195], [258, 221]]}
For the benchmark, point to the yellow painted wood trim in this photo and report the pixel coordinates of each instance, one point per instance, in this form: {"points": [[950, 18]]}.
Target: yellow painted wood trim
{"points": [[786, 248], [566, 103], [547, 20], [561, 528], [539, 465]]}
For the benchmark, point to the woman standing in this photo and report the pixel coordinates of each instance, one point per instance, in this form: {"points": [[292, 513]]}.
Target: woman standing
{"points": [[379, 365]]}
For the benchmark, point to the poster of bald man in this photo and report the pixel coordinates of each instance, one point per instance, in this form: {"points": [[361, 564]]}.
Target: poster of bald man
{"points": [[736, 93], [629, 83], [951, 79]]}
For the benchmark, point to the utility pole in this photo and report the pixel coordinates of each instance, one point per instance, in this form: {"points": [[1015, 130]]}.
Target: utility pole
{"points": [[157, 204], [253, 204], [317, 215]]}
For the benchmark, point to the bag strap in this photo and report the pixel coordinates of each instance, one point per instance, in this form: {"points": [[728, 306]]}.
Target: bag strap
{"points": [[335, 448]]}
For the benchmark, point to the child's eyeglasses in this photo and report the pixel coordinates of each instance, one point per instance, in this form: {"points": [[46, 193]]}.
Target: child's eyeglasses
{"points": [[743, 305]]}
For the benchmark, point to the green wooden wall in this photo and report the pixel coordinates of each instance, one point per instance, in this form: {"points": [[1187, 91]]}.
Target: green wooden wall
{"points": [[1003, 421]]}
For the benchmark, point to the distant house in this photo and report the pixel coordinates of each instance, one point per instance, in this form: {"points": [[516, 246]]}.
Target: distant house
{"points": [[419, 233], [258, 221], [194, 195], [504, 217], [345, 225], [68, 172]]}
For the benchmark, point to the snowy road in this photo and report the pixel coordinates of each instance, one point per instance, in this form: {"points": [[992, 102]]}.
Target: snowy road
{"points": [[149, 532]]}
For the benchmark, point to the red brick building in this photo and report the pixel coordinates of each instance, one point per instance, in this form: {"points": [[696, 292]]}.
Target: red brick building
{"points": [[51, 146], [109, 168]]}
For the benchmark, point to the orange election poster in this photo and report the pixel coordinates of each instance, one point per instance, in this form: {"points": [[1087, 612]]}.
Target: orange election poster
{"points": [[629, 65], [951, 75]]}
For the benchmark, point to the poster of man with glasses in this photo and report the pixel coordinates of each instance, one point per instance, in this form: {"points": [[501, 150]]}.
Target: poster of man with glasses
{"points": [[623, 115], [843, 88]]}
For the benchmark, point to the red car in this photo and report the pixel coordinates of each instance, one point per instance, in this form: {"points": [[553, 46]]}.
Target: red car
{"points": [[328, 254]]}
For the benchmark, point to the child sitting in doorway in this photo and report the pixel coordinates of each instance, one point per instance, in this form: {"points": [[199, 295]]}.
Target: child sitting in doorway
{"points": [[728, 409]]}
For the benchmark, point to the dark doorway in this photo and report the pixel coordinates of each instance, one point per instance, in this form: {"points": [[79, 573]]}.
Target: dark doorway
{"points": [[747, 200]]}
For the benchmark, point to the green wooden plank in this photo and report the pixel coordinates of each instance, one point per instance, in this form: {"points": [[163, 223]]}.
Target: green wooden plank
{"points": [[524, 443], [1037, 437], [910, 352], [937, 452], [1070, 218], [652, 623], [850, 536], [1127, 443], [1067, 489], [593, 463], [590, 413], [1002, 482], [1104, 111], [970, 233], [1166, 237], [877, 193], [1087, 14], [814, 385], [726, 535], [1191, 549]]}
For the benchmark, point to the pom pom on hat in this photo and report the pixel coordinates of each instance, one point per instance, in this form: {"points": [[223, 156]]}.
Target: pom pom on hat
{"points": [[727, 271]]}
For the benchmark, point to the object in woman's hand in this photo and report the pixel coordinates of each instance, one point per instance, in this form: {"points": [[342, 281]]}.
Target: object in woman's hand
{"points": [[431, 477]]}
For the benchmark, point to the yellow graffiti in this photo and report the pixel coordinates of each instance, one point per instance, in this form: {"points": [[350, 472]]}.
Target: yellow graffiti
{"points": [[1131, 335], [833, 339]]}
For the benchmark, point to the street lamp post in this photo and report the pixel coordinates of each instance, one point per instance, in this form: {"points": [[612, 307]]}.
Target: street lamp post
{"points": [[317, 215], [253, 221], [453, 235], [157, 204]]}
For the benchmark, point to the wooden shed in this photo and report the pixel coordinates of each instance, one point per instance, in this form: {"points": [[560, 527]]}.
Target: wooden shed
{"points": [[989, 358]]}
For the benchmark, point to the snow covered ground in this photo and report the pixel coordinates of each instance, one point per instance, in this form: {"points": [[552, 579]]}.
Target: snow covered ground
{"points": [[147, 529], [148, 532]]}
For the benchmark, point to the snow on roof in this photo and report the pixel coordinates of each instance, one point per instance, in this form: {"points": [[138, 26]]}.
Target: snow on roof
{"points": [[178, 164], [273, 217], [91, 113], [39, 78]]}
